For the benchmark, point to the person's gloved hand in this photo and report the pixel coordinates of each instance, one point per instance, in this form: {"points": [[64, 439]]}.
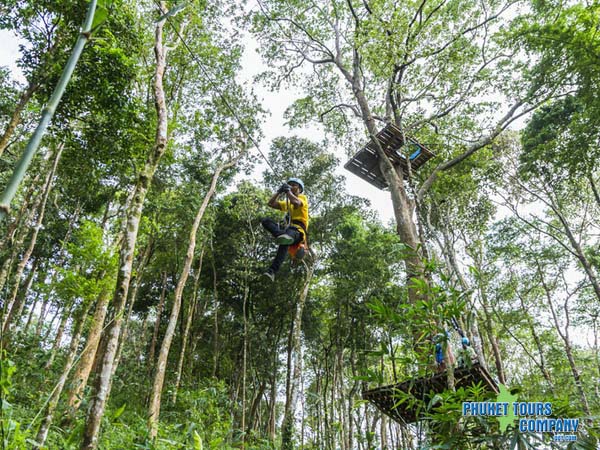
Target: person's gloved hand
{"points": [[284, 188]]}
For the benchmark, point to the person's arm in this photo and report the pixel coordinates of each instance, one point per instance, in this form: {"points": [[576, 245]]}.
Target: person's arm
{"points": [[273, 201], [293, 199]]}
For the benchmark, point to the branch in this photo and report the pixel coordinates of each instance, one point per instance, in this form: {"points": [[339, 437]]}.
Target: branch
{"points": [[353, 108], [508, 118]]}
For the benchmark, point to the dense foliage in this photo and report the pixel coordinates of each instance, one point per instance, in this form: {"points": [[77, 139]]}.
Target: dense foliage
{"points": [[134, 309]]}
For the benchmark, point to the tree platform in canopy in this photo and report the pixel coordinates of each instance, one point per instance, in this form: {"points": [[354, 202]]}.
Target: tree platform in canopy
{"points": [[399, 148], [387, 398]]}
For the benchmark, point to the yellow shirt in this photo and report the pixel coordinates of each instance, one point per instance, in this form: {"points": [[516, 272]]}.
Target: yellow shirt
{"points": [[298, 212]]}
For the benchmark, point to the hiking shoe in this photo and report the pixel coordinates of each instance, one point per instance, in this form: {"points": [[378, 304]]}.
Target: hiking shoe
{"points": [[270, 274], [284, 239]]}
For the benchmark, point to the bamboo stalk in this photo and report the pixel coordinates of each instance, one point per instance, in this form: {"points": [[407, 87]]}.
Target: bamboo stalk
{"points": [[48, 112]]}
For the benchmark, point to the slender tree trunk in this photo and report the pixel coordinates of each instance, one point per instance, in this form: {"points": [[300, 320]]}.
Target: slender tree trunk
{"points": [[101, 387], [188, 325], [286, 425], [57, 391], [31, 311], [131, 303], [36, 229], [215, 318], [487, 319], [59, 334], [138, 349], [596, 355], [19, 229], [538, 344], [492, 339], [383, 431], [159, 311], [344, 418], [564, 335], [85, 363], [155, 398], [40, 322], [296, 350], [57, 313], [271, 421], [15, 119], [253, 417], [19, 222], [590, 178], [17, 309]]}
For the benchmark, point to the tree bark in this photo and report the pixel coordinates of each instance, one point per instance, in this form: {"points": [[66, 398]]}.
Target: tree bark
{"points": [[159, 311], [59, 334], [30, 315], [188, 326], [17, 307], [85, 363], [134, 213], [215, 342], [40, 322], [57, 391], [132, 300], [15, 119]]}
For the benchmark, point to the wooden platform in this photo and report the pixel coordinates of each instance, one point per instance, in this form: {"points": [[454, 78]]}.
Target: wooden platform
{"points": [[386, 397], [365, 163]]}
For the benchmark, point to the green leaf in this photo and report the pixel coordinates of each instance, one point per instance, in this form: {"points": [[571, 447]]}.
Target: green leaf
{"points": [[100, 15], [197, 441], [119, 411]]}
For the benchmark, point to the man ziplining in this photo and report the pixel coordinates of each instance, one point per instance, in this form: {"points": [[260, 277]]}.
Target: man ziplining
{"points": [[291, 237]]}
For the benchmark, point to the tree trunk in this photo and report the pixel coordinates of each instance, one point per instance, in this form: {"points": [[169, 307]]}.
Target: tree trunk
{"points": [[57, 391], [566, 340], [155, 398], [15, 119], [40, 322], [252, 415], [296, 372], [159, 311], [17, 308], [492, 339], [59, 334], [31, 311], [132, 300], [85, 363], [36, 229], [244, 360], [25, 213], [215, 319], [19, 229], [538, 343], [596, 355], [188, 325], [134, 213]]}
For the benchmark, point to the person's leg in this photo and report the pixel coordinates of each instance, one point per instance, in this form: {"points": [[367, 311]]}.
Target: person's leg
{"points": [[282, 250], [279, 258], [290, 236], [294, 233], [271, 226]]}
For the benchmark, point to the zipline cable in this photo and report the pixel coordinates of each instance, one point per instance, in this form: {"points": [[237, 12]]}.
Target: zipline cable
{"points": [[214, 85]]}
